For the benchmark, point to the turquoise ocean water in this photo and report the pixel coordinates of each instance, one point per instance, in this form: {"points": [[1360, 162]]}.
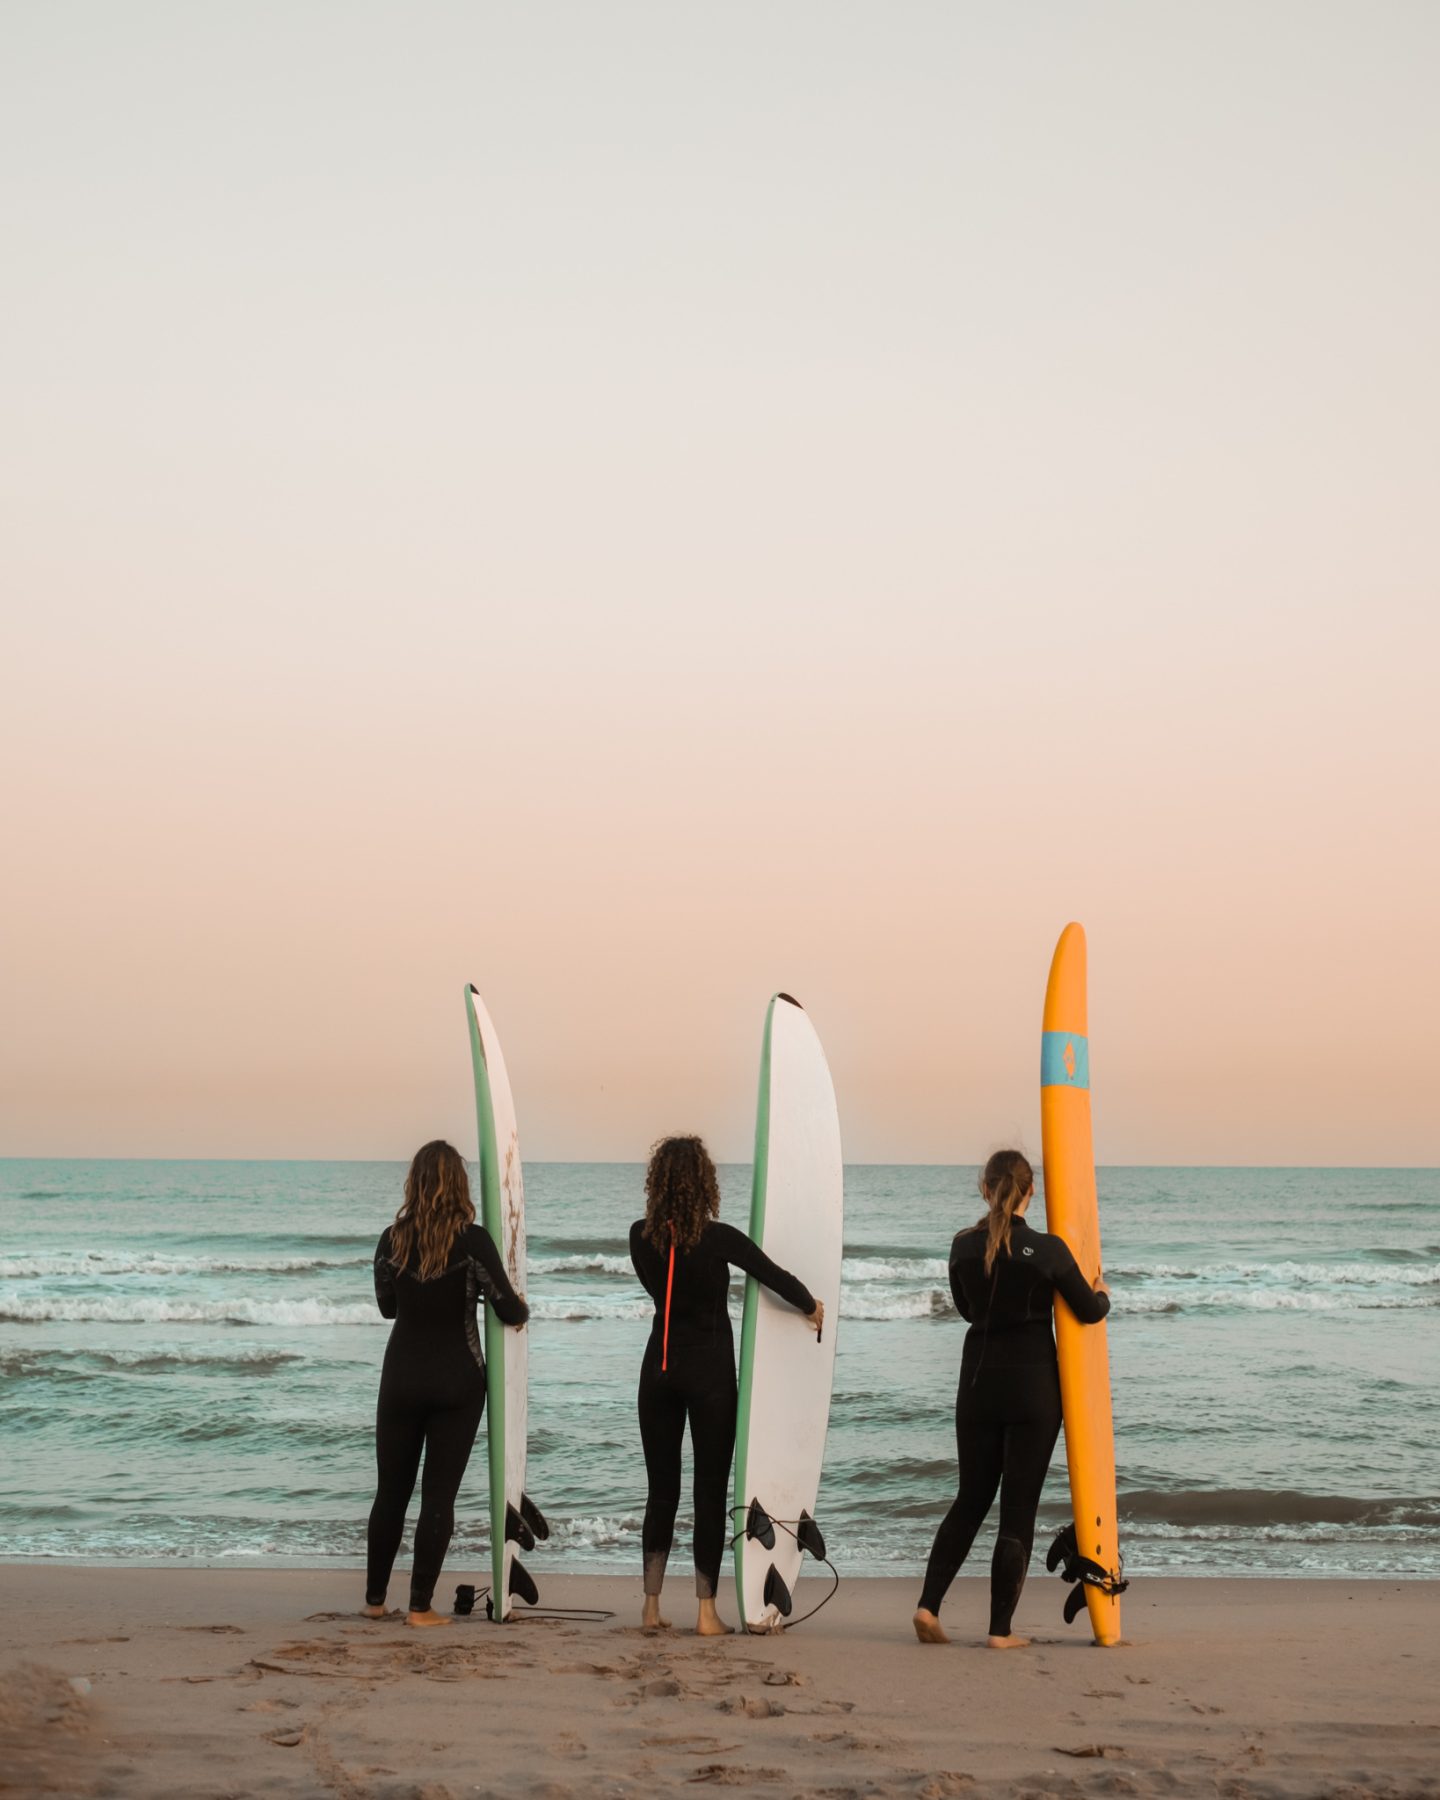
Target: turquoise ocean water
{"points": [[189, 1355]]}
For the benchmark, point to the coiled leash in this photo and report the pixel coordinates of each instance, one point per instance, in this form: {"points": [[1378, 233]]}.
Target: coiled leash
{"points": [[1081, 1571], [760, 1527]]}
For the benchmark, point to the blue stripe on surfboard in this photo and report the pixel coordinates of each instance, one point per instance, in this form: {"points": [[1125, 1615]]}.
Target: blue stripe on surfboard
{"points": [[1064, 1059]]}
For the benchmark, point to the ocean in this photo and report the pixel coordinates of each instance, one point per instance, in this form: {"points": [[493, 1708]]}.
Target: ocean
{"points": [[189, 1354]]}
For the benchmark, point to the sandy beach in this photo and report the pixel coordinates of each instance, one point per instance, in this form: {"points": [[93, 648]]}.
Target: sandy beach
{"points": [[151, 1682]]}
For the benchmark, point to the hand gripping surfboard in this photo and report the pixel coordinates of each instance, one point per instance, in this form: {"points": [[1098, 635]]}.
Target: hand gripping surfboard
{"points": [[515, 1521], [1090, 1547]]}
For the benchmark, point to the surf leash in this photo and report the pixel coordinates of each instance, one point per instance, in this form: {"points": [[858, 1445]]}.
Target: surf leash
{"points": [[466, 1597], [806, 1534], [1082, 1572]]}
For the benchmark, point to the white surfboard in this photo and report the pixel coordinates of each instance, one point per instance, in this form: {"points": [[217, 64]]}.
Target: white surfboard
{"points": [[515, 1522], [797, 1219]]}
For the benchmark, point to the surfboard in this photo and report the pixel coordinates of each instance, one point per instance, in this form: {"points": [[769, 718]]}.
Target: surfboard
{"points": [[797, 1207], [1072, 1211], [515, 1522]]}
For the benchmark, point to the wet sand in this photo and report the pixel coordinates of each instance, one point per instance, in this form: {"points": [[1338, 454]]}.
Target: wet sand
{"points": [[160, 1682]]}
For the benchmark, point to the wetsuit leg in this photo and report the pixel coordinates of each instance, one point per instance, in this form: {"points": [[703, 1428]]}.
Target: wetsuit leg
{"points": [[712, 1443], [662, 1432], [980, 1449], [449, 1439], [1034, 1405], [399, 1438]]}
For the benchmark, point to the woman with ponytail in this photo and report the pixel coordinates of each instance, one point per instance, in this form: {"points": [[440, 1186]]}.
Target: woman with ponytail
{"points": [[1004, 1278], [432, 1266], [683, 1256]]}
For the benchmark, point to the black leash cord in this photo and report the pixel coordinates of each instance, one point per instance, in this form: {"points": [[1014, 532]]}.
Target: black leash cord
{"points": [[785, 1525], [596, 1614]]}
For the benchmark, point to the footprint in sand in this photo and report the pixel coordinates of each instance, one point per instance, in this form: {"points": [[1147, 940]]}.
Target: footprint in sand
{"points": [[752, 1708], [692, 1746], [945, 1784], [221, 1630], [735, 1775]]}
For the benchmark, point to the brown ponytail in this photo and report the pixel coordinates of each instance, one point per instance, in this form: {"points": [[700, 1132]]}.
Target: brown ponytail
{"points": [[1007, 1180]]}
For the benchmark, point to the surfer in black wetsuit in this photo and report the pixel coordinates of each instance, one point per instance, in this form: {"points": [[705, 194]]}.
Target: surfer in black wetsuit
{"points": [[431, 1267], [1004, 1278], [683, 1256]]}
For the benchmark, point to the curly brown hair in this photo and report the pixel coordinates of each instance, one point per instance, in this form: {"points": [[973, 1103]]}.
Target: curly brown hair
{"points": [[436, 1209], [682, 1193]]}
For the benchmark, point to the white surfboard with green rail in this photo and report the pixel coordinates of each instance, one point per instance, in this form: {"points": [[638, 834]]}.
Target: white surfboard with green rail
{"points": [[515, 1521], [797, 1217]]}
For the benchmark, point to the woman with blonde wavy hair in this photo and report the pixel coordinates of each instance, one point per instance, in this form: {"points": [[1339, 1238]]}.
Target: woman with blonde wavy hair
{"points": [[1004, 1278], [432, 1266], [683, 1255]]}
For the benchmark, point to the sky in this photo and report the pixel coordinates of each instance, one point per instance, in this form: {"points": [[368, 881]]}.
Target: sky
{"points": [[638, 506]]}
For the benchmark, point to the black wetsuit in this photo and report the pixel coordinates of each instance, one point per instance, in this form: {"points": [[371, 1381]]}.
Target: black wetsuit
{"points": [[696, 1381], [432, 1393], [1007, 1409]]}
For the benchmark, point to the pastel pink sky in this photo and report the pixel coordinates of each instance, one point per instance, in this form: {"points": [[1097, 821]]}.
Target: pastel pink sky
{"points": [[638, 506]]}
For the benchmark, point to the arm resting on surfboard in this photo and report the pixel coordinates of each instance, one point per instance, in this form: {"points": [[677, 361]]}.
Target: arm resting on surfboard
{"points": [[494, 1283], [384, 1277], [1088, 1304], [742, 1253]]}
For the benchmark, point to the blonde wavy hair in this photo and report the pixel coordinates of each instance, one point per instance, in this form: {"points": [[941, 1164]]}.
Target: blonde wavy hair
{"points": [[436, 1209], [682, 1193], [1006, 1180]]}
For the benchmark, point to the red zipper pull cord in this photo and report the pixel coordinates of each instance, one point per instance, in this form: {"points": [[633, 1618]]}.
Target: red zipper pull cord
{"points": [[669, 1285]]}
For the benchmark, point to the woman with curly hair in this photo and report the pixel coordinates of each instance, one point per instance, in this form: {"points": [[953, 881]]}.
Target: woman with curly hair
{"points": [[432, 1265], [683, 1255]]}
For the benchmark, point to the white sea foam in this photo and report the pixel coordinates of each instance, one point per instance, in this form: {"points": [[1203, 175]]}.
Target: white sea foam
{"points": [[582, 1263], [1291, 1274], [894, 1268], [588, 1306], [100, 1265], [159, 1309]]}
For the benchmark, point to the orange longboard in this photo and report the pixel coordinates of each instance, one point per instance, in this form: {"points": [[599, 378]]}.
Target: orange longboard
{"points": [[1072, 1211]]}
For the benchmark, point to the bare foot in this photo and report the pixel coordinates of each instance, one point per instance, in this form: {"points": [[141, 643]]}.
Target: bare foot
{"points": [[928, 1628], [1007, 1643], [374, 1612], [420, 1620], [710, 1624], [650, 1619]]}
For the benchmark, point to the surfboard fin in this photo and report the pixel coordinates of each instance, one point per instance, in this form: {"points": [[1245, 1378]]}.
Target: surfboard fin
{"points": [[808, 1536], [517, 1530], [534, 1518], [1081, 1571], [758, 1526], [521, 1584], [776, 1592]]}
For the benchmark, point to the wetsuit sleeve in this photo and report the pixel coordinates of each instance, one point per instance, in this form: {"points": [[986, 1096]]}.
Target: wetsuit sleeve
{"points": [[642, 1257], [384, 1277], [1088, 1306], [957, 1291], [741, 1253], [494, 1283]]}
